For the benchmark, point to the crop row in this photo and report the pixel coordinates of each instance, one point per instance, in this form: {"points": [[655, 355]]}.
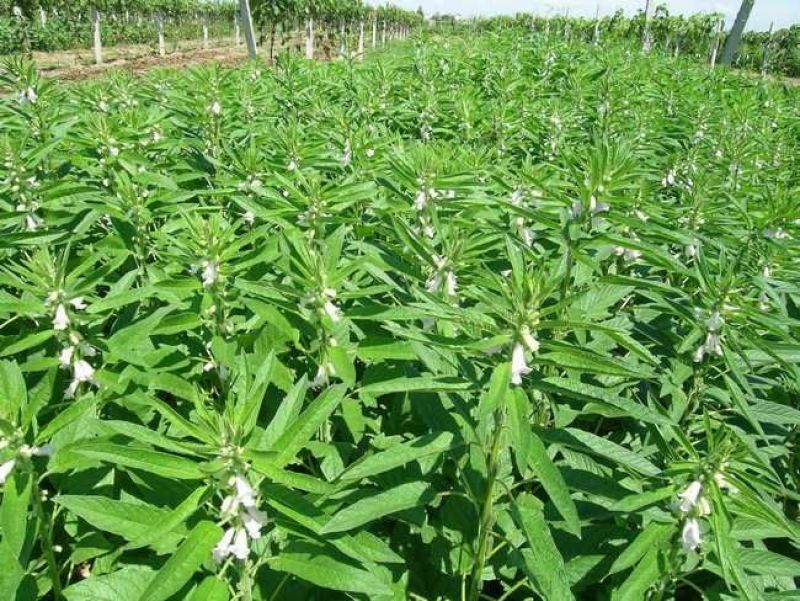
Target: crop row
{"points": [[485, 315]]}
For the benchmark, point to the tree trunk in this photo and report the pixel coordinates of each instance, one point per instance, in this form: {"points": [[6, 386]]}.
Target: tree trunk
{"points": [[247, 22], [765, 62], [596, 34], [310, 38], [162, 49], [361, 40], [204, 20], [342, 42], [383, 34], [715, 48], [237, 36], [96, 40], [374, 33], [735, 36], [646, 43]]}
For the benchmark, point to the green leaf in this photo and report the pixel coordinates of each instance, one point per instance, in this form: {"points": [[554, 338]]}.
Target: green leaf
{"points": [[296, 436], [13, 393], [186, 561], [132, 521], [162, 527], [586, 392], [651, 537], [155, 462], [614, 452], [398, 455], [343, 365], [543, 561], [768, 563], [363, 511], [126, 584], [421, 384], [315, 565], [211, 589], [553, 483], [14, 510], [645, 575]]}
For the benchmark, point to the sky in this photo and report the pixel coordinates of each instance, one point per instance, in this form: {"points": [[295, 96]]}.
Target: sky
{"points": [[782, 12]]}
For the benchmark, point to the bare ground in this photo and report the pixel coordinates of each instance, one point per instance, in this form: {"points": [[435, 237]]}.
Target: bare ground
{"points": [[78, 65]]}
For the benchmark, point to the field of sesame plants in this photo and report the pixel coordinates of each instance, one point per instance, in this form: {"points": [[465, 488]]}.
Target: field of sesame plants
{"points": [[491, 317]]}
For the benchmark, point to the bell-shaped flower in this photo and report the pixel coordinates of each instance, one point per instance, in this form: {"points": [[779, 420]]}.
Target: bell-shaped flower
{"points": [[82, 371], [519, 367], [239, 548], [210, 273], [78, 303], [244, 491], [451, 283], [253, 520], [434, 283], [691, 537], [65, 356], [6, 469], [529, 339], [60, 319], [223, 547], [690, 496], [332, 311]]}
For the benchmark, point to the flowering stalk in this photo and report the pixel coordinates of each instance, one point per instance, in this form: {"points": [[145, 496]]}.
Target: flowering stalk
{"points": [[487, 508]]}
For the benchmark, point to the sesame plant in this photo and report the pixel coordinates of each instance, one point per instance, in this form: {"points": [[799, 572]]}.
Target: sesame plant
{"points": [[486, 316]]}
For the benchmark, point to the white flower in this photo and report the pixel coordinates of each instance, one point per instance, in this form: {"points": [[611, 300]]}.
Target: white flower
{"points": [[61, 319], [78, 303], [529, 340], [223, 548], [6, 469], [324, 372], [421, 200], [210, 273], [712, 344], [292, 165], [253, 520], [434, 283], [370, 152], [452, 283], [239, 548], [216, 108], [46, 450], [244, 492], [82, 371], [690, 495], [715, 322], [519, 367], [723, 482], [699, 353], [690, 537], [249, 218], [332, 311], [32, 222], [65, 356]]}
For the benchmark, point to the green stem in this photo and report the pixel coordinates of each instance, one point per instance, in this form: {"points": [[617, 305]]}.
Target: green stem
{"points": [[487, 513], [245, 585], [47, 539]]}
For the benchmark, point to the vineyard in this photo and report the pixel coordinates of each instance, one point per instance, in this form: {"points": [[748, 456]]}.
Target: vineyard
{"points": [[487, 315]]}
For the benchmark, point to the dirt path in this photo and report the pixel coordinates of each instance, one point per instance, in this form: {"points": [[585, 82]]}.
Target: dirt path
{"points": [[78, 65]]}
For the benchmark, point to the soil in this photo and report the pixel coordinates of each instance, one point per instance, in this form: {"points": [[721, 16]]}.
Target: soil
{"points": [[78, 65]]}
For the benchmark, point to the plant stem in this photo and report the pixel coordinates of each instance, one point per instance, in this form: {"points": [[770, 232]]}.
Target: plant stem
{"points": [[47, 539], [487, 513]]}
